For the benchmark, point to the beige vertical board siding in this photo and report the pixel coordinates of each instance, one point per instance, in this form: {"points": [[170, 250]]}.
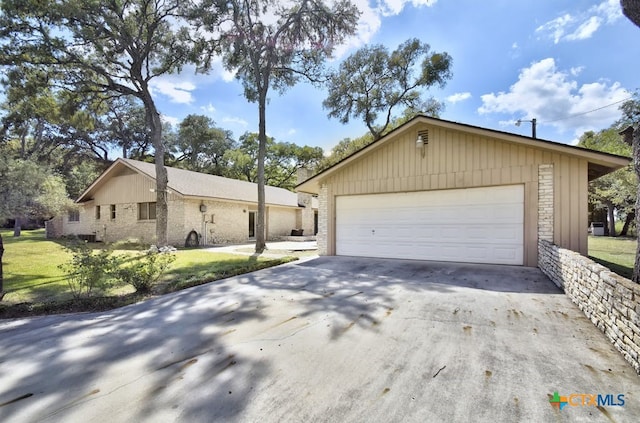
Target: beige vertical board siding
{"points": [[456, 159], [531, 221]]}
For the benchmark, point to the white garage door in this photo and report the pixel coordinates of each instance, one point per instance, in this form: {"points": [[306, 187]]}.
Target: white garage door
{"points": [[475, 225]]}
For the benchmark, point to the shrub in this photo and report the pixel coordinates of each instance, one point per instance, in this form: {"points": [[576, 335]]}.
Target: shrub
{"points": [[87, 271], [129, 244], [145, 270]]}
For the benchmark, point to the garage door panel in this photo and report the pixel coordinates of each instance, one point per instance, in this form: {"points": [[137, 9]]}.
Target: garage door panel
{"points": [[483, 225]]}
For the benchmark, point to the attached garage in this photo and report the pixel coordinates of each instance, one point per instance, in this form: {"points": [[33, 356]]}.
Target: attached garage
{"points": [[439, 190], [476, 225]]}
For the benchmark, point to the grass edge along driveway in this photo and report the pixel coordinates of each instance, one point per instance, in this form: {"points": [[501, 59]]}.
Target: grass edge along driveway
{"points": [[34, 284]]}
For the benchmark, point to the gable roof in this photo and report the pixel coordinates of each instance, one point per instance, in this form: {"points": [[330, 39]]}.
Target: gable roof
{"points": [[599, 163], [195, 184]]}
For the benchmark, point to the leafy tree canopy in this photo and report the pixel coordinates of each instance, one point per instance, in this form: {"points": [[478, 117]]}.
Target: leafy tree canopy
{"points": [[110, 47], [282, 161], [29, 190], [372, 82], [200, 145]]}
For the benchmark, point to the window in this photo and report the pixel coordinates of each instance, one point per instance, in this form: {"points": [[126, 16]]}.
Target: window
{"points": [[97, 212], [74, 215], [113, 212], [146, 211]]}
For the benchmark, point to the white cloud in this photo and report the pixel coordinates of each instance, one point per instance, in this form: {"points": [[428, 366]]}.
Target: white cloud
{"points": [[586, 29], [394, 7], [457, 97], [235, 120], [177, 91], [173, 121], [291, 132], [371, 20], [209, 109], [554, 98], [218, 70], [583, 24], [576, 70], [556, 27], [610, 10]]}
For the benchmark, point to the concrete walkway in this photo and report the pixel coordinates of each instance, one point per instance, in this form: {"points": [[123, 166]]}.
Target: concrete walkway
{"points": [[328, 339]]}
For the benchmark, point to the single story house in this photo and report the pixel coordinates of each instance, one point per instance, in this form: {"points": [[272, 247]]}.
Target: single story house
{"points": [[120, 204], [439, 190]]}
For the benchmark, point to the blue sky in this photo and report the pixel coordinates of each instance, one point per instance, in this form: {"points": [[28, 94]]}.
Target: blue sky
{"points": [[556, 61]]}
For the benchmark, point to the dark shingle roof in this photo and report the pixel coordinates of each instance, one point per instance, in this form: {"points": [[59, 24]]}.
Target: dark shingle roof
{"points": [[195, 184]]}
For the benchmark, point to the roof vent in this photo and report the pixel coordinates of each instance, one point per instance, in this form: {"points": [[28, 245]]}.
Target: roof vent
{"points": [[425, 136]]}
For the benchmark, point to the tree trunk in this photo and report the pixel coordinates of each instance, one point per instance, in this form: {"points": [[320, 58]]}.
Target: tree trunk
{"points": [[262, 149], [1, 277], [636, 165], [162, 179], [627, 222], [612, 220], [17, 227], [605, 221]]}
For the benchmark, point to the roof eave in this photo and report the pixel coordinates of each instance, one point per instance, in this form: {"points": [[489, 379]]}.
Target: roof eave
{"points": [[600, 163]]}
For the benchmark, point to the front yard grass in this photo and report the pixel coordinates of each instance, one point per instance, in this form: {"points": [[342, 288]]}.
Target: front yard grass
{"points": [[35, 285], [618, 254]]}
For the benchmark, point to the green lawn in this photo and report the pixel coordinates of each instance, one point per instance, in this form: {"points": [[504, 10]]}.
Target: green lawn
{"points": [[618, 254], [31, 273], [30, 265]]}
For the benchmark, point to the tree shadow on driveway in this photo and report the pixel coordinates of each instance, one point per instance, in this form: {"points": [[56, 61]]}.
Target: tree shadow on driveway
{"points": [[146, 357], [332, 338]]}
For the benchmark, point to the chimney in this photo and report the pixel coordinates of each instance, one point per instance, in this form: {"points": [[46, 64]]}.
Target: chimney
{"points": [[305, 217], [303, 174]]}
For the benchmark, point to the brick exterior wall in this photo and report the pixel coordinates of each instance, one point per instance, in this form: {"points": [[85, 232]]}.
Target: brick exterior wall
{"points": [[610, 301], [322, 220], [84, 226], [305, 219], [223, 222]]}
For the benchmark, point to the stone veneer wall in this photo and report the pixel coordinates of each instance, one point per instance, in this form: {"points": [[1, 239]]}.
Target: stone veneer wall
{"points": [[545, 202], [610, 301], [322, 220]]}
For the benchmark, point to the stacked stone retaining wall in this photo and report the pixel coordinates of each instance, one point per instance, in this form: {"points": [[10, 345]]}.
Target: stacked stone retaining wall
{"points": [[610, 301]]}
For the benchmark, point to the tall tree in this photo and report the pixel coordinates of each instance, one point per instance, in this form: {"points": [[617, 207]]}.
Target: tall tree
{"points": [[115, 47], [372, 82], [631, 111], [272, 44], [617, 190], [200, 145], [630, 121], [631, 9]]}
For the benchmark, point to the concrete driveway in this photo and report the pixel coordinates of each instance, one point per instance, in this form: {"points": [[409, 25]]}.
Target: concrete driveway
{"points": [[329, 339]]}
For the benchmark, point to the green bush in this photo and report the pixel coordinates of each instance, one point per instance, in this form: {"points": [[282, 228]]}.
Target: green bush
{"points": [[88, 272], [144, 270]]}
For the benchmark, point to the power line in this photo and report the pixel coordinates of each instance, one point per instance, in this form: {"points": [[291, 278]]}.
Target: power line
{"points": [[590, 111]]}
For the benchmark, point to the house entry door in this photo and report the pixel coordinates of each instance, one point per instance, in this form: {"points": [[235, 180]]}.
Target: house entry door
{"points": [[252, 224]]}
